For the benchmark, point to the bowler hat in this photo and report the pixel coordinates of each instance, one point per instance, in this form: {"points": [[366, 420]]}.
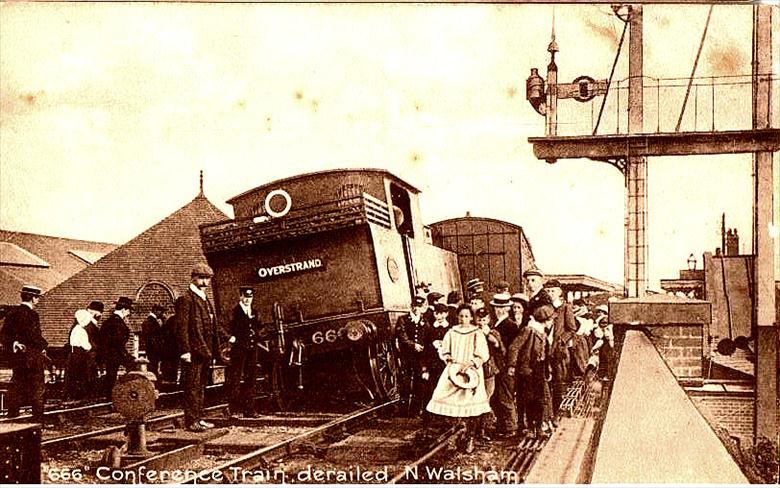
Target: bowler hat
{"points": [[453, 297], [202, 270], [440, 307], [32, 290], [501, 300], [463, 379], [246, 291], [532, 272], [124, 303], [96, 306]]}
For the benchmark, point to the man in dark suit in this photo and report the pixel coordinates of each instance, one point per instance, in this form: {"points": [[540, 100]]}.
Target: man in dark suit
{"points": [[152, 337], [244, 331], [24, 343], [409, 330], [503, 399], [114, 334], [198, 340]]}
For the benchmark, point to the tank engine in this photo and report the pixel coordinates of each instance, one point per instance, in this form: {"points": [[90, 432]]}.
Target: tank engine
{"points": [[334, 258]]}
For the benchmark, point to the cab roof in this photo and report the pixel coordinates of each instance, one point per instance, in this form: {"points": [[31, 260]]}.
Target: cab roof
{"points": [[314, 174]]}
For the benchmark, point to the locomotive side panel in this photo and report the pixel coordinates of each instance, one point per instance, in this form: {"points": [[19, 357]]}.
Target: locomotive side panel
{"points": [[327, 274], [392, 274], [438, 267]]}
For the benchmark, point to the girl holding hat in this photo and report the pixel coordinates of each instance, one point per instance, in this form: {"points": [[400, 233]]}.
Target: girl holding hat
{"points": [[460, 391]]}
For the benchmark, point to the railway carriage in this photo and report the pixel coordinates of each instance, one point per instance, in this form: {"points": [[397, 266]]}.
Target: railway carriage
{"points": [[334, 258]]}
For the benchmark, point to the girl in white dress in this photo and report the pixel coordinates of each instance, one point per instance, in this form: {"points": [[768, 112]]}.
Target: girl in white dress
{"points": [[466, 346]]}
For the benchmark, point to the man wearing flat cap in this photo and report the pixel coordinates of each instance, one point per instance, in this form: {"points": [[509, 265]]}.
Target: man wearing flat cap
{"points": [[241, 374], [534, 281], [409, 330], [23, 342], [114, 335], [198, 341]]}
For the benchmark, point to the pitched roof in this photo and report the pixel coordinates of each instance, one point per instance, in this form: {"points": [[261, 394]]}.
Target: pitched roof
{"points": [[40, 260], [153, 267]]}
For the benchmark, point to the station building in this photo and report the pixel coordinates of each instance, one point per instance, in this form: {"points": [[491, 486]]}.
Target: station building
{"points": [[152, 268]]}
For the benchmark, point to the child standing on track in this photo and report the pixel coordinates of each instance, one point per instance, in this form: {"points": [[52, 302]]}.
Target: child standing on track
{"points": [[460, 392]]}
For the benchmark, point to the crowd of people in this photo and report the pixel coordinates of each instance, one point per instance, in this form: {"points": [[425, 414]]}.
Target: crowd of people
{"points": [[502, 367], [189, 341]]}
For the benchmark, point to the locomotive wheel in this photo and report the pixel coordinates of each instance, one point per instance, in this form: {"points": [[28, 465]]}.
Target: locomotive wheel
{"points": [[384, 370]]}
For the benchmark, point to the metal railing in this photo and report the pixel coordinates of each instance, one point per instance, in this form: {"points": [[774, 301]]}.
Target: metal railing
{"points": [[716, 103]]}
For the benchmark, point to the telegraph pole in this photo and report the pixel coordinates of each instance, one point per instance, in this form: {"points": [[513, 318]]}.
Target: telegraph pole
{"points": [[764, 248]]}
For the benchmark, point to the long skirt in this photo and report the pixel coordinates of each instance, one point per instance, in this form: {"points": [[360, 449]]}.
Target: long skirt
{"points": [[452, 401]]}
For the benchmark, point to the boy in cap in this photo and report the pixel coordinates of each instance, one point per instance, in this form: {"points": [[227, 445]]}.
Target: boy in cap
{"points": [[198, 341], [564, 327], [504, 397], [114, 335], [453, 300], [244, 331], [433, 298], [409, 331], [22, 339]]}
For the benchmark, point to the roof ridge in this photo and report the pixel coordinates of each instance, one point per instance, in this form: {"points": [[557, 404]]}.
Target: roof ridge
{"points": [[122, 247], [61, 238]]}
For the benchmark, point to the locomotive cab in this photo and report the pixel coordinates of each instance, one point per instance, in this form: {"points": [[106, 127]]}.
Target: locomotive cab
{"points": [[333, 258]]}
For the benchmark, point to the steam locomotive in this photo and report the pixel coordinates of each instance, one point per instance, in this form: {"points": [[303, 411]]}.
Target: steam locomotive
{"points": [[334, 258]]}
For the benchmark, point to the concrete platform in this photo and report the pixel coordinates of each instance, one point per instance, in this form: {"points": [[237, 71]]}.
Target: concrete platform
{"points": [[652, 432], [561, 459]]}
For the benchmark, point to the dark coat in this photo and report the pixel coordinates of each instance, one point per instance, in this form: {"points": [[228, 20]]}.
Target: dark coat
{"points": [[409, 333], [114, 335], [508, 329], [564, 329], [430, 355], [196, 329], [536, 301], [246, 330], [23, 325], [152, 338]]}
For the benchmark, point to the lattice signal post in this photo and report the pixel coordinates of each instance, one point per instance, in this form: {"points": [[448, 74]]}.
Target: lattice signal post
{"points": [[629, 153]]}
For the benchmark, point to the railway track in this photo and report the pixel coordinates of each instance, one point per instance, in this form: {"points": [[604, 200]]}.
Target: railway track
{"points": [[60, 413]]}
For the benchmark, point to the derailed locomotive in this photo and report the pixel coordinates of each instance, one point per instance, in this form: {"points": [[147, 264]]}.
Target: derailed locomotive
{"points": [[334, 258]]}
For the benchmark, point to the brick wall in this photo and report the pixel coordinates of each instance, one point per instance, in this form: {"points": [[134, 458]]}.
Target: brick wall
{"points": [[681, 346], [731, 411]]}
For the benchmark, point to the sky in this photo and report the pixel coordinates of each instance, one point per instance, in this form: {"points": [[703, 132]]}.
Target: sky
{"points": [[109, 111]]}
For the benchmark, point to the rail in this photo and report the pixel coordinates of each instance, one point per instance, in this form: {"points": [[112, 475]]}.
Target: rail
{"points": [[332, 215], [710, 107], [259, 457], [443, 441]]}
